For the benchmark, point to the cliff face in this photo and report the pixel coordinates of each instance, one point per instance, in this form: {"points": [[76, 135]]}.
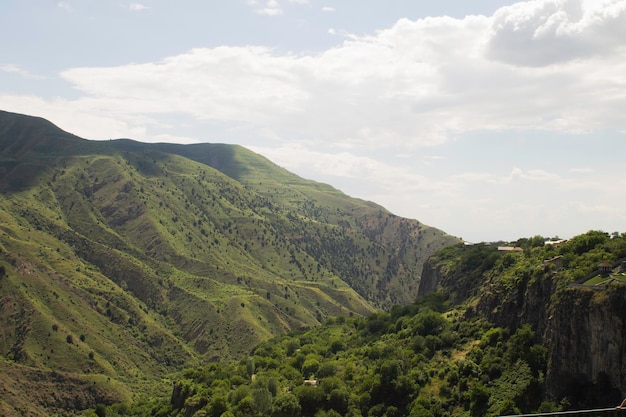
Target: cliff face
{"points": [[583, 327], [459, 280], [587, 340], [431, 278], [526, 302]]}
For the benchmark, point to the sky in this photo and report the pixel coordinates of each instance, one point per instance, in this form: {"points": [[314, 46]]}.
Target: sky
{"points": [[491, 120]]}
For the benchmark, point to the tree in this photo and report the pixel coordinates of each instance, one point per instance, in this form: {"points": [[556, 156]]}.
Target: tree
{"points": [[310, 398], [338, 400], [326, 369], [101, 410], [250, 366], [418, 410], [479, 399], [286, 405], [310, 366], [428, 322], [218, 406], [262, 400], [536, 241]]}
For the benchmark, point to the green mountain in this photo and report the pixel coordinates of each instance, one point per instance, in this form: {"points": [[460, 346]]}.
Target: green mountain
{"points": [[123, 262], [535, 330]]}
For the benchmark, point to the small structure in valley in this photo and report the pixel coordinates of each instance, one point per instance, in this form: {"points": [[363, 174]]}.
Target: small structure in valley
{"points": [[605, 268], [556, 262]]}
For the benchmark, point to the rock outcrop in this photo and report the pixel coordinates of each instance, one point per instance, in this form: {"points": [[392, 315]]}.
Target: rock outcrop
{"points": [[582, 326], [586, 336]]}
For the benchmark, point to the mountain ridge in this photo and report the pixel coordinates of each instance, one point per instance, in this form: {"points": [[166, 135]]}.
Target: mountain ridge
{"points": [[132, 260]]}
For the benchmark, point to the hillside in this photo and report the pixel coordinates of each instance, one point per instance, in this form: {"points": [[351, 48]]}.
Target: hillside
{"points": [[503, 332], [123, 262]]}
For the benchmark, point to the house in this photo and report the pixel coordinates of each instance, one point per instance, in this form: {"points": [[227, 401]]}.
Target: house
{"points": [[557, 261], [555, 243], [510, 249], [311, 382], [605, 268]]}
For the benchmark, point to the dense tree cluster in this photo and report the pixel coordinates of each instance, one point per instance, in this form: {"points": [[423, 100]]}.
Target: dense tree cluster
{"points": [[419, 360]]}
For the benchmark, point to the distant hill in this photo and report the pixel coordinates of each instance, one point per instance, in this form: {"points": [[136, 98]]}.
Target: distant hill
{"points": [[122, 262]]}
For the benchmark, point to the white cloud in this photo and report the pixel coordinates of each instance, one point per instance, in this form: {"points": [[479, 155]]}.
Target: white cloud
{"points": [[137, 7], [11, 68], [581, 170], [538, 33], [530, 178], [271, 8], [227, 84], [528, 202], [65, 6], [328, 9], [417, 83], [85, 118], [379, 176], [274, 7], [16, 69], [431, 159]]}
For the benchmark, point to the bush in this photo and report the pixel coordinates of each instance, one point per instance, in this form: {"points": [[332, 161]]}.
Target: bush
{"points": [[101, 410]]}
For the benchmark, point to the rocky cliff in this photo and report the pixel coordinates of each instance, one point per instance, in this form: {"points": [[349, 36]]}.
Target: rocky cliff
{"points": [[586, 335], [583, 326]]}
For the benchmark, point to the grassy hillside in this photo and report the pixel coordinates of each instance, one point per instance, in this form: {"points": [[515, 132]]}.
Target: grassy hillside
{"points": [[131, 261], [378, 254]]}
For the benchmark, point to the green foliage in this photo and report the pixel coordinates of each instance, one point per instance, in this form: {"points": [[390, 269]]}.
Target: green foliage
{"points": [[587, 242], [428, 322], [101, 410], [467, 367], [286, 405]]}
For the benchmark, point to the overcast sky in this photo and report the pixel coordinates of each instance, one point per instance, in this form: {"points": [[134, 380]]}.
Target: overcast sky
{"points": [[491, 119]]}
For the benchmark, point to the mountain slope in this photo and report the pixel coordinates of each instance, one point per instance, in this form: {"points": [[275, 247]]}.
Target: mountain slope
{"points": [[134, 260], [396, 247]]}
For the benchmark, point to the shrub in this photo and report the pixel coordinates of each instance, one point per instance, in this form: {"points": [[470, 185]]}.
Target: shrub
{"points": [[101, 410]]}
